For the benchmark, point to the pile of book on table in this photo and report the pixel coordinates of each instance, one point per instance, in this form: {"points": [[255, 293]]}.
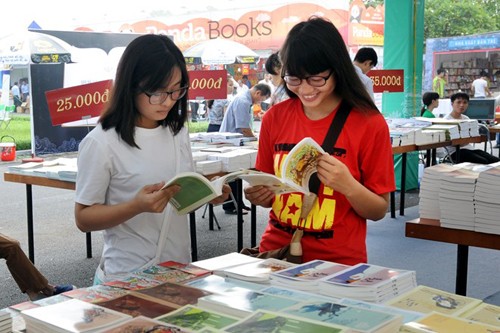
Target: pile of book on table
{"points": [[260, 296], [5, 322]]}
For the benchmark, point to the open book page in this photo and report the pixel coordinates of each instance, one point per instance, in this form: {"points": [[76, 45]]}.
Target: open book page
{"points": [[275, 184], [197, 190], [301, 163]]}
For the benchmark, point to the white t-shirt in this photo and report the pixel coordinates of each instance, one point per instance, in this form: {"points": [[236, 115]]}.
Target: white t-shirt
{"points": [[480, 86], [452, 149], [110, 172], [367, 82]]}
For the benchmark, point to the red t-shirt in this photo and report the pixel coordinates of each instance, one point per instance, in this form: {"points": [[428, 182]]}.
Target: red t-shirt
{"points": [[363, 145]]}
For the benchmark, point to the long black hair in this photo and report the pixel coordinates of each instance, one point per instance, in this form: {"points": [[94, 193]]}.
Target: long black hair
{"points": [[314, 46], [147, 64]]}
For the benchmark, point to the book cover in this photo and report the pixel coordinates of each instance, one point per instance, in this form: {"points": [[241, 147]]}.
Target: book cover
{"points": [[165, 274], [484, 313], [95, 294], [173, 294], [133, 283], [407, 315], [297, 295], [219, 284], [438, 322], [144, 325], [195, 318], [197, 190], [356, 318], [309, 272], [137, 306], [426, 299], [188, 268], [224, 261], [241, 302], [267, 321], [297, 169], [71, 316], [257, 271]]}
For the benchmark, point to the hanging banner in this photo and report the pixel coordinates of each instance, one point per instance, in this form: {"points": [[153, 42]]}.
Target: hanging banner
{"points": [[387, 80], [79, 102]]}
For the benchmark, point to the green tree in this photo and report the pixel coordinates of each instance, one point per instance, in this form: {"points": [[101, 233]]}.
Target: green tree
{"points": [[446, 18]]}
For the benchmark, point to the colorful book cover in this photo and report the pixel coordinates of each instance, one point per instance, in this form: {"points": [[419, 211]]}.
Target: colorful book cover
{"points": [[258, 271], [484, 313], [267, 321], [195, 318], [174, 294], [426, 299], [240, 302], [310, 271], [133, 283], [137, 306], [24, 306], [95, 294], [165, 274], [297, 295], [188, 268], [407, 315], [359, 319], [144, 325], [438, 322]]}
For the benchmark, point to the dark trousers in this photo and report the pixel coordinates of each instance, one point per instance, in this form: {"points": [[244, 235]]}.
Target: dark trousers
{"points": [[475, 156]]}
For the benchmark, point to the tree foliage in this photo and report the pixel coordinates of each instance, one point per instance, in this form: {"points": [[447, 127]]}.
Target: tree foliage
{"points": [[447, 18]]}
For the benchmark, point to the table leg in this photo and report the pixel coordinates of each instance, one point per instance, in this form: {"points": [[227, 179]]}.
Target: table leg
{"points": [[428, 158], [434, 157], [462, 263], [393, 204], [89, 244], [253, 226], [29, 211], [239, 200], [403, 185], [192, 228]]}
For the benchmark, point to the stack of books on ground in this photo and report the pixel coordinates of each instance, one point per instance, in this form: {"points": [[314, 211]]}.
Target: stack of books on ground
{"points": [[71, 316], [486, 199], [306, 276], [456, 196], [5, 322], [368, 282]]}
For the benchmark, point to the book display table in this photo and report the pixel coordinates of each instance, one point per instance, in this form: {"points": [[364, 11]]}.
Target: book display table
{"points": [[431, 230]]}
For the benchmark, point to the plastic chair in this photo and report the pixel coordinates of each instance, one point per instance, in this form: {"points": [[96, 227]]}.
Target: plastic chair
{"points": [[5, 115]]}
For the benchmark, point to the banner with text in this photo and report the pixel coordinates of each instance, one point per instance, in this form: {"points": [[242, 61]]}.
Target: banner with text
{"points": [[208, 84], [387, 80]]}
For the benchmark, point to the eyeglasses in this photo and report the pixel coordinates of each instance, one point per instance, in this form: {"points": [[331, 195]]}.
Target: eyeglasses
{"points": [[160, 97], [313, 80]]}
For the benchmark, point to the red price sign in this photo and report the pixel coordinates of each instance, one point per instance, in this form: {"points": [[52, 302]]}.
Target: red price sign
{"points": [[387, 80], [208, 84], [76, 103]]}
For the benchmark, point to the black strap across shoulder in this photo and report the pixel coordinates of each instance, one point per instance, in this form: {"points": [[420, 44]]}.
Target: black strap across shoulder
{"points": [[331, 138]]}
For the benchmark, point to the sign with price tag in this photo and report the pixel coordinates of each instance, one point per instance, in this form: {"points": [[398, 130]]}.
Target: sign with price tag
{"points": [[79, 102], [208, 84], [387, 80]]}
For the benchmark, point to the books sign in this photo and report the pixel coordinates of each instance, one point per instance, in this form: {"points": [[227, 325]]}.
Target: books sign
{"points": [[207, 84], [79, 102], [387, 80]]}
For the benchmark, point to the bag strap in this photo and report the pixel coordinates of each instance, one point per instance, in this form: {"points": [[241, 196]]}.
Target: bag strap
{"points": [[330, 139]]}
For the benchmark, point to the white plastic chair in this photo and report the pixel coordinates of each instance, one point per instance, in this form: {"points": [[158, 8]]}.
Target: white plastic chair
{"points": [[5, 115]]}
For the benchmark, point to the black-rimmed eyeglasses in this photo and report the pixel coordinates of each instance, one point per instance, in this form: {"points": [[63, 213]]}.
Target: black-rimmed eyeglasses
{"points": [[161, 96], [313, 80]]}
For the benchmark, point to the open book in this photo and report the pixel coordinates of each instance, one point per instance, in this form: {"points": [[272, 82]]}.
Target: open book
{"points": [[297, 169], [197, 190]]}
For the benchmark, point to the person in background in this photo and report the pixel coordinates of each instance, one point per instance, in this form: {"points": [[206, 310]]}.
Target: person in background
{"points": [[140, 142], [365, 59], [273, 67], [246, 81], [440, 81], [479, 86], [16, 94], [431, 101], [355, 182], [217, 108], [459, 104], [25, 90], [267, 80], [238, 119], [29, 279]]}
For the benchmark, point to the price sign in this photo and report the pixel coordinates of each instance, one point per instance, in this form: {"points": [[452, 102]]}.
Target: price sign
{"points": [[208, 84], [76, 103], [387, 80]]}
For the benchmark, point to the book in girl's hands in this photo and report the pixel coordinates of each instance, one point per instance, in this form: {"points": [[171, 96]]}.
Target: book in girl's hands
{"points": [[71, 316], [298, 167], [196, 190], [195, 318]]}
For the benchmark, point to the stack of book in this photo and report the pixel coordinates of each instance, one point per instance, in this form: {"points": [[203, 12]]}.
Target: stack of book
{"points": [[208, 167], [404, 131], [486, 199], [236, 159], [429, 190], [428, 135], [306, 276], [456, 196], [5, 322], [451, 131], [71, 316], [257, 271], [368, 282]]}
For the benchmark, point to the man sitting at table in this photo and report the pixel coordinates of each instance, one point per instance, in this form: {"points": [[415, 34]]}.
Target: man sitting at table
{"points": [[459, 104], [28, 278]]}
